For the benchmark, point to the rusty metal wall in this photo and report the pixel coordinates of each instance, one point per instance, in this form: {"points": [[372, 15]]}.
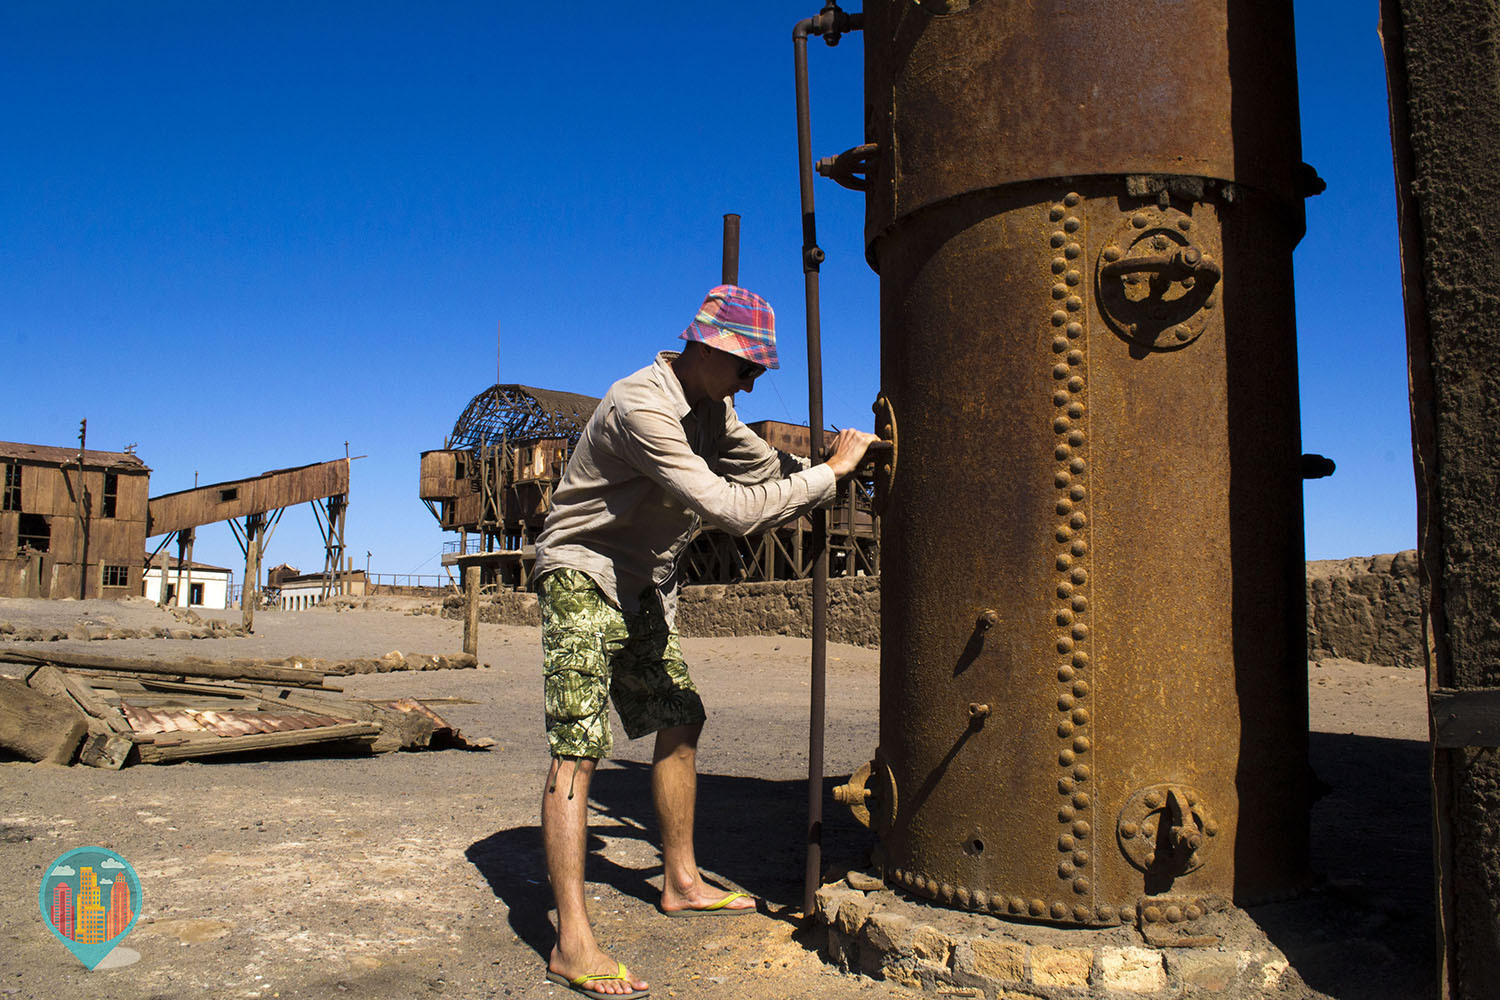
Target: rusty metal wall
{"points": [[1093, 682]]}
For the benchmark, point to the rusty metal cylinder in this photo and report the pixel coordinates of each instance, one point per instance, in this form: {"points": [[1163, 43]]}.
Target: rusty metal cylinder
{"points": [[1093, 675]]}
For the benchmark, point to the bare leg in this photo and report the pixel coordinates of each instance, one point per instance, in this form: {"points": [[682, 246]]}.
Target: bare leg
{"points": [[565, 831], [674, 788]]}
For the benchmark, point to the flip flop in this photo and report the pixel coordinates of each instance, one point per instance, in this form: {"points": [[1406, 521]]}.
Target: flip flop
{"points": [[719, 909], [580, 985]]}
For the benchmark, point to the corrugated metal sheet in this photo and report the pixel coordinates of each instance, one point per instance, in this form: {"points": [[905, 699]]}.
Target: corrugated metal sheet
{"points": [[148, 721]]}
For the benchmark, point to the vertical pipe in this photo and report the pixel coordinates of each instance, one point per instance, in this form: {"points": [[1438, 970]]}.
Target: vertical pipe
{"points": [[812, 256], [731, 268]]}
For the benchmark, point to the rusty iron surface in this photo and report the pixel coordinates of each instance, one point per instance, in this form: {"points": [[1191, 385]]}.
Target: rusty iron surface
{"points": [[966, 97], [1093, 688]]}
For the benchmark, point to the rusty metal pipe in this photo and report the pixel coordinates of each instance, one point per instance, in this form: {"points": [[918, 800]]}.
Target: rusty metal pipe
{"points": [[730, 272], [830, 23], [812, 256]]}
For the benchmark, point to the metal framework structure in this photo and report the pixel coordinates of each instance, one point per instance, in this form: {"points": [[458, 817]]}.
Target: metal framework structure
{"points": [[521, 413], [495, 477], [786, 552]]}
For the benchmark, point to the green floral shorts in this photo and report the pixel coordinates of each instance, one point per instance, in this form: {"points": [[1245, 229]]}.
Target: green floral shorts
{"points": [[591, 649]]}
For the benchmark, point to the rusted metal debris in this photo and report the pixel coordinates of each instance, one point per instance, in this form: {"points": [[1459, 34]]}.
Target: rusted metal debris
{"points": [[110, 718]]}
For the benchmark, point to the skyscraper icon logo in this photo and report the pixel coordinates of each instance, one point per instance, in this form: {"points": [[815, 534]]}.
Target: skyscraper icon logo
{"points": [[90, 899]]}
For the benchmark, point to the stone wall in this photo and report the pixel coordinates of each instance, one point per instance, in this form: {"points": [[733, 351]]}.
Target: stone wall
{"points": [[1365, 609], [783, 608]]}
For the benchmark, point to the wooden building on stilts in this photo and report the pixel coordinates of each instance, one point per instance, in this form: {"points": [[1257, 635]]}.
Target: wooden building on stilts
{"points": [[492, 483]]}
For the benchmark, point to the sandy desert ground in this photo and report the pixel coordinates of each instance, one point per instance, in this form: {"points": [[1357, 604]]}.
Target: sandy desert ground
{"points": [[420, 874]]}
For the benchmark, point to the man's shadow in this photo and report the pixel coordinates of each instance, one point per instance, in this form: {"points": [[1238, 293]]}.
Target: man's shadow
{"points": [[751, 835]]}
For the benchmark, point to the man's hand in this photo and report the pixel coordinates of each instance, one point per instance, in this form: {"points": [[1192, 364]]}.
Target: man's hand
{"points": [[848, 450]]}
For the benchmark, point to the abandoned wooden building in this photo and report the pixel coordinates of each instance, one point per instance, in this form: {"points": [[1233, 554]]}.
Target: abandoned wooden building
{"points": [[492, 483], [72, 522]]}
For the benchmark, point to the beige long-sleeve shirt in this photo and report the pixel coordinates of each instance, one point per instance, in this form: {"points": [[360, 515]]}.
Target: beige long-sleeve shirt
{"points": [[647, 468]]}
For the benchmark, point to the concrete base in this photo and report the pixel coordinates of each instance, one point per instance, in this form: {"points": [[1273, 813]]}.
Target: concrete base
{"points": [[880, 933]]}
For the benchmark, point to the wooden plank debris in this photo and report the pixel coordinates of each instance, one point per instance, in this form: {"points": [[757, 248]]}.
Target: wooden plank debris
{"points": [[231, 670], [60, 684], [186, 747], [39, 726], [106, 750], [111, 715]]}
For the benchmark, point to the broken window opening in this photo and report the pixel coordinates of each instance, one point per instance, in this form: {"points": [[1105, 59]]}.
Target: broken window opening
{"points": [[111, 493], [195, 594], [117, 576], [10, 499], [35, 532], [227, 495]]}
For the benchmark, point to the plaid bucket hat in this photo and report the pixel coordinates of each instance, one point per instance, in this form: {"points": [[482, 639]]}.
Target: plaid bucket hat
{"points": [[738, 321]]}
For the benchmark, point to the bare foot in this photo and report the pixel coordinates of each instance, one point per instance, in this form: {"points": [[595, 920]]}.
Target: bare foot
{"points": [[598, 964], [702, 896]]}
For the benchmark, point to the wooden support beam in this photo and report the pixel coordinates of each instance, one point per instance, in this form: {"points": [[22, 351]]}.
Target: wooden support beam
{"points": [[60, 684], [250, 592], [183, 599], [39, 726], [232, 671], [161, 593], [185, 564], [471, 610]]}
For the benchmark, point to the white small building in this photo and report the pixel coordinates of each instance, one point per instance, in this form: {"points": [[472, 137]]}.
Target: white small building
{"points": [[307, 591], [206, 586]]}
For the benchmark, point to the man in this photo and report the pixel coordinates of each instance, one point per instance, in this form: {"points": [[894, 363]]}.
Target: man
{"points": [[663, 451]]}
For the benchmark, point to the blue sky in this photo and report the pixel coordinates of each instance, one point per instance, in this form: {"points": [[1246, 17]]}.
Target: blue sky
{"points": [[241, 236]]}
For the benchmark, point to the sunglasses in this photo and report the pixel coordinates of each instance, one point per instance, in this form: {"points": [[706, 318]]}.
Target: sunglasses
{"points": [[751, 370]]}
